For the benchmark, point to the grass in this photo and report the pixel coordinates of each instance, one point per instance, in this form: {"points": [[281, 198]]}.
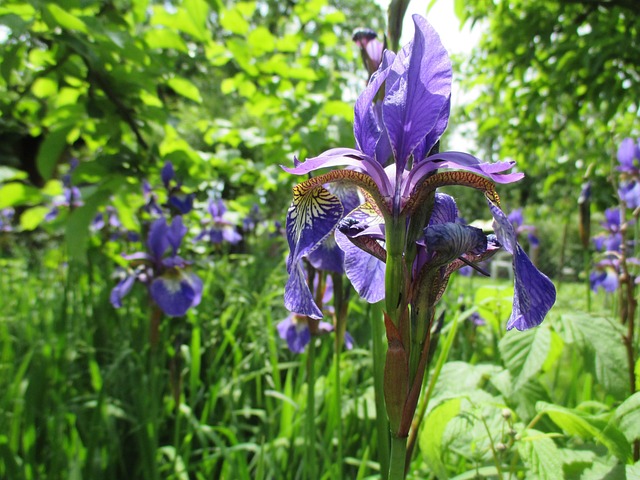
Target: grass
{"points": [[83, 396]]}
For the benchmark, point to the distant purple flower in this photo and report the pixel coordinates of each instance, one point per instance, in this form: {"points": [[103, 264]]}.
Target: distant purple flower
{"points": [[218, 229], [629, 166], [6, 219], [172, 287], [477, 319], [70, 198], [605, 277], [611, 239], [250, 222], [177, 200]]}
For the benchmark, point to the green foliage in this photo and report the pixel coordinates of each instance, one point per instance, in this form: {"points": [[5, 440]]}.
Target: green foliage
{"points": [[556, 92]]}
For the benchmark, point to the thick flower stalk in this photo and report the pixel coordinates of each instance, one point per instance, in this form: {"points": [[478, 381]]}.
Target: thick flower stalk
{"points": [[404, 240]]}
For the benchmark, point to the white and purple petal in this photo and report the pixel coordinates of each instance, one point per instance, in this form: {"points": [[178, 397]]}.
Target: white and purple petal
{"points": [[176, 291]]}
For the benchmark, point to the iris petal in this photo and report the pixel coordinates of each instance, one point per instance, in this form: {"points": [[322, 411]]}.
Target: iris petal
{"points": [[121, 290], [364, 271], [313, 215], [176, 292], [413, 106], [534, 293], [158, 241]]}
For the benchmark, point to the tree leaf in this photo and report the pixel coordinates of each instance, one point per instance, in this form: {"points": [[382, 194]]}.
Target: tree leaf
{"points": [[31, 218], [51, 149], [15, 193], [184, 87], [65, 19]]}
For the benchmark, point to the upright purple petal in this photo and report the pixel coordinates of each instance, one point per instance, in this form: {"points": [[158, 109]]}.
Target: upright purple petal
{"points": [[445, 210], [175, 233], [414, 105], [158, 240]]}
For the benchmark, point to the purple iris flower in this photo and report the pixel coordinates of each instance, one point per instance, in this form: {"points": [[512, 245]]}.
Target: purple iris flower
{"points": [[397, 165], [606, 277], [71, 197], [611, 239], [250, 222], [150, 200], [295, 328], [171, 286], [517, 220], [629, 160], [220, 230], [177, 200]]}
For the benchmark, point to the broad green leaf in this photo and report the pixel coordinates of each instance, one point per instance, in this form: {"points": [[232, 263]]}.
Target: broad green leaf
{"points": [[628, 417], [184, 87], [431, 435], [524, 353], [576, 422], [31, 218], [165, 38], [65, 19], [261, 40], [540, 455], [604, 353], [51, 149], [77, 231], [233, 21], [14, 193], [9, 173]]}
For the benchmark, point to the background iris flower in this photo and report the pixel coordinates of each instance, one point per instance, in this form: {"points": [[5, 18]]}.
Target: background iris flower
{"points": [[171, 286]]}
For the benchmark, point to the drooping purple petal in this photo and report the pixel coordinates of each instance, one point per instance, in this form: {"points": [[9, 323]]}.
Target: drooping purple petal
{"points": [[176, 291], [121, 290], [607, 280], [534, 294], [297, 336], [328, 256], [312, 217], [414, 104], [364, 271], [349, 342], [629, 193]]}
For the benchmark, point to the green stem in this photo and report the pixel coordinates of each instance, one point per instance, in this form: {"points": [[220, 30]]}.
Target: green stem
{"points": [[338, 406], [310, 416], [587, 268], [398, 456], [379, 354]]}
